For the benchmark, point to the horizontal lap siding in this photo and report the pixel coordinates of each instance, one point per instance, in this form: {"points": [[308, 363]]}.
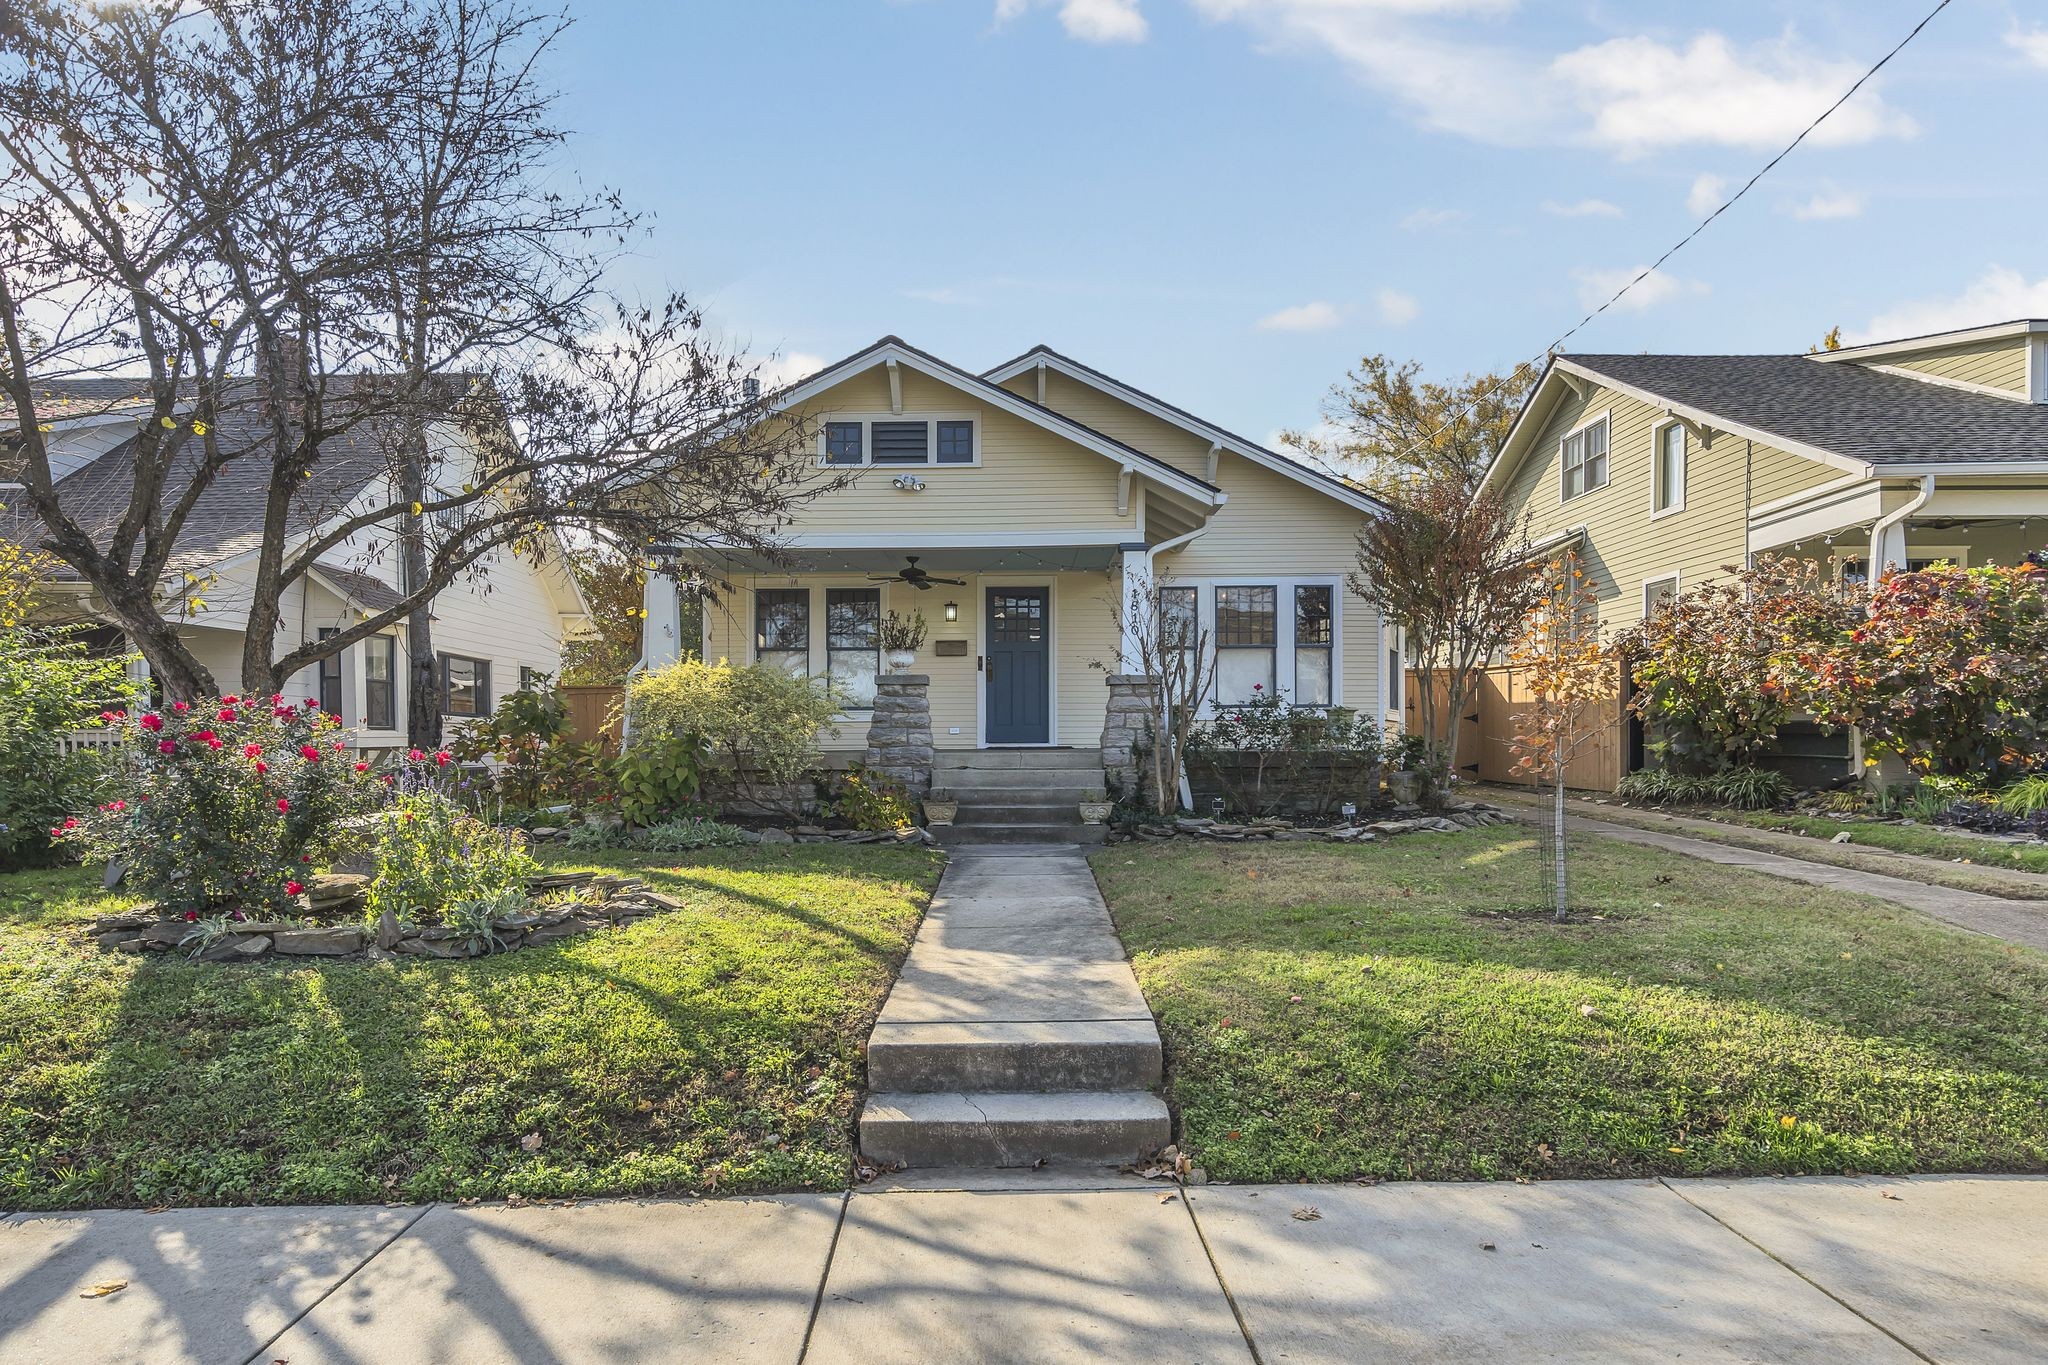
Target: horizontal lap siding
{"points": [[1029, 479], [1998, 364], [1624, 545], [1113, 417]]}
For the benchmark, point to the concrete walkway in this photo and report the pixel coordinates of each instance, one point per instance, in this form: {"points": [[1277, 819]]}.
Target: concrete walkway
{"points": [[2015, 921], [1047, 1267], [1016, 1032]]}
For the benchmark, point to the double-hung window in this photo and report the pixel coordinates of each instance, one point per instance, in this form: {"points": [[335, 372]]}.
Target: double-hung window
{"points": [[1667, 470], [1659, 593], [465, 686], [921, 441], [330, 676], [782, 629], [1180, 632], [380, 682], [1314, 638], [853, 640], [1247, 641], [1585, 459]]}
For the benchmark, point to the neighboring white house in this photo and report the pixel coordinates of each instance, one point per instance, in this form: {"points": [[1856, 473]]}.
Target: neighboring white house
{"points": [[490, 632]]}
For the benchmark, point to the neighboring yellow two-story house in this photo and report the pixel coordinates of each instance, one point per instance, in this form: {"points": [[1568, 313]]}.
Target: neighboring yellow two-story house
{"points": [[1662, 472], [1033, 499]]}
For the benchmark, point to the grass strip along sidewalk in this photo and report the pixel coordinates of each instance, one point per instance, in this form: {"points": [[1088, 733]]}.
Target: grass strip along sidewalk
{"points": [[1401, 1010]]}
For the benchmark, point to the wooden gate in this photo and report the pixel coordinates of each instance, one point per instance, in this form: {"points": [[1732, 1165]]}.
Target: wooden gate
{"points": [[1487, 729], [595, 712]]}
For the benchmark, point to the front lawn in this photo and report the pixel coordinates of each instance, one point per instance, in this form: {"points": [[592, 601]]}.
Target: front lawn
{"points": [[1335, 1012], [715, 1047], [1927, 841]]}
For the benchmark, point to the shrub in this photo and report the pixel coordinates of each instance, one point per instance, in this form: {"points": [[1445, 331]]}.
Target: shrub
{"points": [[867, 800], [1266, 754], [1945, 670], [229, 804], [659, 776], [2026, 796], [432, 855], [1719, 669], [1750, 788], [1744, 787], [759, 722], [518, 735]]}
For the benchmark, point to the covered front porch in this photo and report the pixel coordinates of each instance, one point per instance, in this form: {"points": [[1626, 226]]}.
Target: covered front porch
{"points": [[1908, 522]]}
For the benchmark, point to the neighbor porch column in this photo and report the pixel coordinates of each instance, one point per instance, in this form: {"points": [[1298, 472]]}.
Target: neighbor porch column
{"points": [[661, 640]]}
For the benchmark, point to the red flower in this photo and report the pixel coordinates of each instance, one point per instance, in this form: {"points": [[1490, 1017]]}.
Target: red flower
{"points": [[70, 822], [387, 779], [215, 744], [151, 721], [283, 804], [201, 736], [362, 767], [251, 750], [309, 753], [293, 888], [262, 767], [168, 746], [227, 713], [441, 757], [180, 706], [312, 703], [414, 754], [230, 700], [191, 915]]}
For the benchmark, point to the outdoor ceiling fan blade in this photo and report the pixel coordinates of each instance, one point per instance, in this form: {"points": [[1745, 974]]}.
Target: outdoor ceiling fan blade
{"points": [[956, 582], [885, 577]]}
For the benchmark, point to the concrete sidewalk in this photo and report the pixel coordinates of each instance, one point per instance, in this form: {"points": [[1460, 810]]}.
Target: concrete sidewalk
{"points": [[1055, 1266]]}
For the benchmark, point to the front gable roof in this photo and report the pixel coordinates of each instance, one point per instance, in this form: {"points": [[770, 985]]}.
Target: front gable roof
{"points": [[1864, 421], [894, 351], [1186, 421]]}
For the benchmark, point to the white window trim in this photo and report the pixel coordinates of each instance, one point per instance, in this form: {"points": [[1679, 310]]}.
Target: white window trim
{"points": [[816, 630], [1604, 415], [1283, 642], [867, 422], [1674, 578], [1657, 464]]}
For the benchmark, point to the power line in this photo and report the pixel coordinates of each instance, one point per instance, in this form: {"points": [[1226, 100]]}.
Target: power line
{"points": [[1682, 242]]}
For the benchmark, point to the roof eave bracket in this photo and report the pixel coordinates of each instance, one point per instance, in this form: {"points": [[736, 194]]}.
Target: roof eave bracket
{"points": [[895, 387], [1123, 490]]}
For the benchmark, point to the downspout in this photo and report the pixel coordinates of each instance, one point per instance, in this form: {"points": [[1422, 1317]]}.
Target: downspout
{"points": [[1891, 519], [1152, 553]]}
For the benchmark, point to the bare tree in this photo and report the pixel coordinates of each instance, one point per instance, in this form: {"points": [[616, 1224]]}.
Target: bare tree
{"points": [[1453, 568], [1164, 636], [326, 239], [1570, 670]]}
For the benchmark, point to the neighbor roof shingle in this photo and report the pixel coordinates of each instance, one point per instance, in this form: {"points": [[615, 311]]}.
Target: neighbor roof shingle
{"points": [[1862, 413]]}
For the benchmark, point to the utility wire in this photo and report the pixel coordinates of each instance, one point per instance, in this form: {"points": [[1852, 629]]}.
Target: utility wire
{"points": [[1682, 242]]}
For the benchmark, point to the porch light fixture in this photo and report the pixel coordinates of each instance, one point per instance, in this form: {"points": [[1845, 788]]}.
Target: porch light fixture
{"points": [[952, 611]]}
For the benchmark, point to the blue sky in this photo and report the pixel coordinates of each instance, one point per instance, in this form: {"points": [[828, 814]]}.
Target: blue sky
{"points": [[1227, 202]]}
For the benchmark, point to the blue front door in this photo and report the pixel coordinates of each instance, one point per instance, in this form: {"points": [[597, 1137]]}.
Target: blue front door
{"points": [[1019, 666]]}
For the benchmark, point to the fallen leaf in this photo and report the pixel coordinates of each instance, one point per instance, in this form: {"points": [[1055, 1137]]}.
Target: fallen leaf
{"points": [[1307, 1213], [104, 1288], [1168, 1198], [1679, 1150], [530, 1143], [1889, 1195], [1787, 1121], [1487, 1246]]}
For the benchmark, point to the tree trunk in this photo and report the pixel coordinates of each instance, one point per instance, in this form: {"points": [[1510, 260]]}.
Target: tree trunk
{"points": [[1557, 841], [181, 676], [423, 683]]}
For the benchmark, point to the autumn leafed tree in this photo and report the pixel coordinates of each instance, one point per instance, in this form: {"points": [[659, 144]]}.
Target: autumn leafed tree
{"points": [[1569, 671], [1387, 427], [614, 585], [332, 254], [1453, 568]]}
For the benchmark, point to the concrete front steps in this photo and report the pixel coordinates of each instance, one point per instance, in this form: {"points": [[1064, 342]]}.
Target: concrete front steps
{"points": [[1020, 796], [1015, 1033]]}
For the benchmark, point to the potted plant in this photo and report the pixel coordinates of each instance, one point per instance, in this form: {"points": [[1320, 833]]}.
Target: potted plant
{"points": [[941, 807], [901, 637], [1096, 809]]}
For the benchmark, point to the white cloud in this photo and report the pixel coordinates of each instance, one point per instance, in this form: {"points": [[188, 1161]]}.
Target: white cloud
{"points": [[2030, 43], [1596, 286], [2000, 294], [1642, 94], [1829, 202], [1707, 194], [1632, 94], [944, 294], [1305, 317], [786, 367], [1584, 208], [1092, 21], [1395, 308], [1427, 220]]}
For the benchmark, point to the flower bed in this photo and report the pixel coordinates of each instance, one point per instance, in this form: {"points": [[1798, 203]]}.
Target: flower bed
{"points": [[560, 905]]}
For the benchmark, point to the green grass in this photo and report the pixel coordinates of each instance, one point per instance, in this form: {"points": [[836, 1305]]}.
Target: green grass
{"points": [[1338, 1012], [1918, 839], [660, 1057]]}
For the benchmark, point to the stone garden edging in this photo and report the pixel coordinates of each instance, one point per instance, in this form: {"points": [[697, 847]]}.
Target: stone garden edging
{"points": [[1457, 814], [625, 900]]}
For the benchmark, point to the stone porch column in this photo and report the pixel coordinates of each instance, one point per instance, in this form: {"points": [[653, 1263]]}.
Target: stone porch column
{"points": [[900, 733], [1129, 721]]}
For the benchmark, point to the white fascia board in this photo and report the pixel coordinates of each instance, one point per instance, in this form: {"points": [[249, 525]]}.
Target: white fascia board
{"points": [[1829, 509], [1216, 436], [998, 540], [1935, 340], [1539, 398], [998, 396], [1944, 382]]}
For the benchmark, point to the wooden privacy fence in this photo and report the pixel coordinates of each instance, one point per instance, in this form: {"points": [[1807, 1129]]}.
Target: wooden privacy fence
{"points": [[1486, 731], [595, 712]]}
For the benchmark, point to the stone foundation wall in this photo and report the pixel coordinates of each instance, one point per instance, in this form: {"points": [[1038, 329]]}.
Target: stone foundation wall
{"points": [[1127, 724], [900, 732]]}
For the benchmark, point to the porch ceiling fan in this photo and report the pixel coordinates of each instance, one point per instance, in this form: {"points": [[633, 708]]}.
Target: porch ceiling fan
{"points": [[920, 579]]}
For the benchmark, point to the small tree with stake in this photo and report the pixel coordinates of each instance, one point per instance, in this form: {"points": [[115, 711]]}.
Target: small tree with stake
{"points": [[1167, 642], [1569, 670]]}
